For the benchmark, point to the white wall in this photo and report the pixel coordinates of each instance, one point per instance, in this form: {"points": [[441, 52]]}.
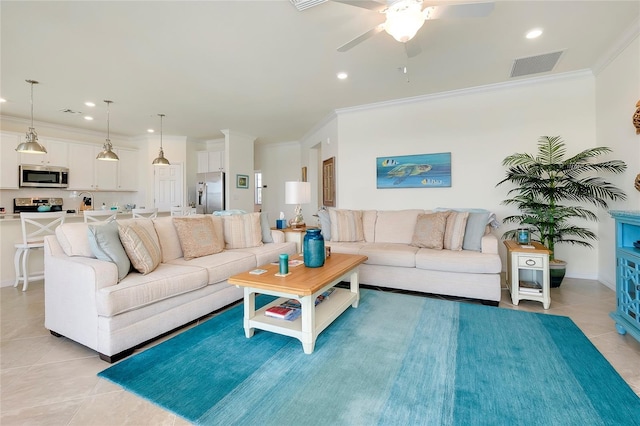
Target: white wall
{"points": [[480, 127], [239, 155], [617, 92], [279, 163]]}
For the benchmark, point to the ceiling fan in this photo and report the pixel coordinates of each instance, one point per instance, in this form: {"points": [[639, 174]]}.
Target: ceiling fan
{"points": [[405, 17]]}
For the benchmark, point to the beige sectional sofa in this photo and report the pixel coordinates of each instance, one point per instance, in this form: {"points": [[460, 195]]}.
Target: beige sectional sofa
{"points": [[103, 306], [458, 258]]}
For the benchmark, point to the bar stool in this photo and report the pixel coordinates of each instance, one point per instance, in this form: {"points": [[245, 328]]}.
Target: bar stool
{"points": [[148, 213], [35, 226], [91, 216]]}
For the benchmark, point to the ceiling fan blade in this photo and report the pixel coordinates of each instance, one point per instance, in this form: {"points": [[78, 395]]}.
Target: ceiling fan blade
{"points": [[366, 4], [361, 38], [469, 10], [412, 47]]}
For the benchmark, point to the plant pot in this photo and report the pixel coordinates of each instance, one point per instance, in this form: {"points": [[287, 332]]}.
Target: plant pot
{"points": [[557, 269]]}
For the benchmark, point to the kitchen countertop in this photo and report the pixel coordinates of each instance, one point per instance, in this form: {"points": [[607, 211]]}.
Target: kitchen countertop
{"points": [[11, 217]]}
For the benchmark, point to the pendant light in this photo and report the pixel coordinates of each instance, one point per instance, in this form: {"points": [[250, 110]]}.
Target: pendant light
{"points": [[161, 161], [107, 153], [31, 145]]}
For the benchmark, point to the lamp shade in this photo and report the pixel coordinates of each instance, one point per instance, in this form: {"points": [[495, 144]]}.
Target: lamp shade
{"points": [[297, 193]]}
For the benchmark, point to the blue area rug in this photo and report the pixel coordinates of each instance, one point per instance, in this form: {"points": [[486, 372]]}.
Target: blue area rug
{"points": [[395, 360]]}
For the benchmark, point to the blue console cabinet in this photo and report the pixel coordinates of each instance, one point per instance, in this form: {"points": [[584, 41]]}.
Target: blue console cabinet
{"points": [[627, 313]]}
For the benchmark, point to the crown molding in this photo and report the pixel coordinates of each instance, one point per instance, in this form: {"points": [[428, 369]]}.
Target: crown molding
{"points": [[467, 91], [625, 39]]}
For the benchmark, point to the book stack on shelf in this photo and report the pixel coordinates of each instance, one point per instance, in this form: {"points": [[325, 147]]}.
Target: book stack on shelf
{"points": [[290, 309], [530, 287]]}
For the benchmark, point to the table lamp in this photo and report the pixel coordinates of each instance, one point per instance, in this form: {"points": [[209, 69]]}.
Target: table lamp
{"points": [[297, 193]]}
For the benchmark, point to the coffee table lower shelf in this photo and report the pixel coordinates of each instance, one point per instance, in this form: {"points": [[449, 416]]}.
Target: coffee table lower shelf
{"points": [[309, 324]]}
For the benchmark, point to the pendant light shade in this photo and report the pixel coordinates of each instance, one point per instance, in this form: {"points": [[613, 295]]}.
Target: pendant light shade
{"points": [[161, 161], [107, 153], [31, 144]]}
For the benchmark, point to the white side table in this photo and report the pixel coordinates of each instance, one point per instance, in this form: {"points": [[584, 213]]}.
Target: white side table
{"points": [[528, 272]]}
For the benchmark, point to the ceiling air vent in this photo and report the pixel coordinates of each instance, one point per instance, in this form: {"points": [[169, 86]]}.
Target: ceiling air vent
{"points": [[70, 111], [535, 64], [306, 4]]}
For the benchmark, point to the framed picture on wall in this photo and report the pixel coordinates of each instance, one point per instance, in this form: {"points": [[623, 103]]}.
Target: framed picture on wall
{"points": [[414, 171], [329, 182], [242, 181]]}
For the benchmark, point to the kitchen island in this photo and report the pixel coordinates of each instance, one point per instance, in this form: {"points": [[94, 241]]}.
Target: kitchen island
{"points": [[11, 232]]}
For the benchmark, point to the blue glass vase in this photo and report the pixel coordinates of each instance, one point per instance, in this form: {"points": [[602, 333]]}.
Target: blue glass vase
{"points": [[313, 248]]}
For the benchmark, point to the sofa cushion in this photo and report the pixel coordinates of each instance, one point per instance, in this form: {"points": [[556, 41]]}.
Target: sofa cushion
{"points": [[139, 290], [454, 231], [325, 223], [429, 230], [141, 243], [168, 238], [396, 226], [241, 231], [465, 261], [198, 235], [369, 218], [221, 266], [105, 243], [346, 247], [389, 254], [72, 237], [346, 225]]}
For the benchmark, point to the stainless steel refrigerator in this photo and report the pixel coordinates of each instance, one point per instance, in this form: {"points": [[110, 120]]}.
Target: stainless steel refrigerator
{"points": [[209, 192]]}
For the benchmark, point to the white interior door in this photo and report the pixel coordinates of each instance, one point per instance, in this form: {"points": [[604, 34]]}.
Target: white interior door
{"points": [[168, 187]]}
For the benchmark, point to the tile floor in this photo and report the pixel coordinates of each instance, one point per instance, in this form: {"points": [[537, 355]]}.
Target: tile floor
{"points": [[52, 381]]}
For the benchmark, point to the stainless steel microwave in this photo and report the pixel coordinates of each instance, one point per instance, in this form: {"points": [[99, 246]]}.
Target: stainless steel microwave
{"points": [[33, 176]]}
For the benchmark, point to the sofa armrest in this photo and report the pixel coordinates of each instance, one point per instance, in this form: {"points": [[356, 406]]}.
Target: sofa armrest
{"points": [[278, 236], [489, 244]]}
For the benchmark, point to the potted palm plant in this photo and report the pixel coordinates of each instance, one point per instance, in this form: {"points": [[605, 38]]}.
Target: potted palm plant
{"points": [[551, 192]]}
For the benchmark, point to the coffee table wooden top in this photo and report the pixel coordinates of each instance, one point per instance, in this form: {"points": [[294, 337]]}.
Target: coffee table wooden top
{"points": [[301, 281]]}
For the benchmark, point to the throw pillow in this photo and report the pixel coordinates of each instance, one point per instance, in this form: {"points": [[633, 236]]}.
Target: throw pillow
{"points": [[346, 225], [242, 231], [325, 223], [429, 230], [198, 236], [454, 232], [106, 245], [141, 245], [72, 237], [266, 229], [476, 226]]}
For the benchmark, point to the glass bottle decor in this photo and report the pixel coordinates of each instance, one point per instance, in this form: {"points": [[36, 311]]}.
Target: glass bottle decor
{"points": [[313, 248]]}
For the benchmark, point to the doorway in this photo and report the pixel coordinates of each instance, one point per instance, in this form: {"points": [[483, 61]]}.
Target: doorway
{"points": [[168, 187]]}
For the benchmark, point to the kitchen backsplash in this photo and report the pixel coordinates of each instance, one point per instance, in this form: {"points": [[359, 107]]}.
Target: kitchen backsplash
{"points": [[108, 198]]}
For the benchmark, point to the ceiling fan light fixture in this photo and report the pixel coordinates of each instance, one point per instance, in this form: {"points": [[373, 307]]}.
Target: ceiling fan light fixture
{"points": [[31, 144], [107, 153], [404, 19]]}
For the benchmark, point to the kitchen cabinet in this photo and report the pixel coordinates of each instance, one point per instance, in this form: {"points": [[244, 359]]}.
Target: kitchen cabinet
{"points": [[10, 160], [210, 161], [57, 154], [88, 174], [127, 169]]}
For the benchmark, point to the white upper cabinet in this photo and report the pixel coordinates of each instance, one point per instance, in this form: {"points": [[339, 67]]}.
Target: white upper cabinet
{"points": [[82, 167], [210, 161], [127, 169], [57, 154], [10, 159]]}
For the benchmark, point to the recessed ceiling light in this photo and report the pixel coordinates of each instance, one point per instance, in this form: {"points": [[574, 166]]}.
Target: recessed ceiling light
{"points": [[90, 104], [342, 75], [2, 100], [534, 33], [88, 118], [150, 131]]}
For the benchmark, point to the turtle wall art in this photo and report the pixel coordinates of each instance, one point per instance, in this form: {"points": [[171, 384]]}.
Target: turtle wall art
{"points": [[414, 171]]}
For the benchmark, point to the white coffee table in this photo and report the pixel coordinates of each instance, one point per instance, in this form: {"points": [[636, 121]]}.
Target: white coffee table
{"points": [[304, 284]]}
